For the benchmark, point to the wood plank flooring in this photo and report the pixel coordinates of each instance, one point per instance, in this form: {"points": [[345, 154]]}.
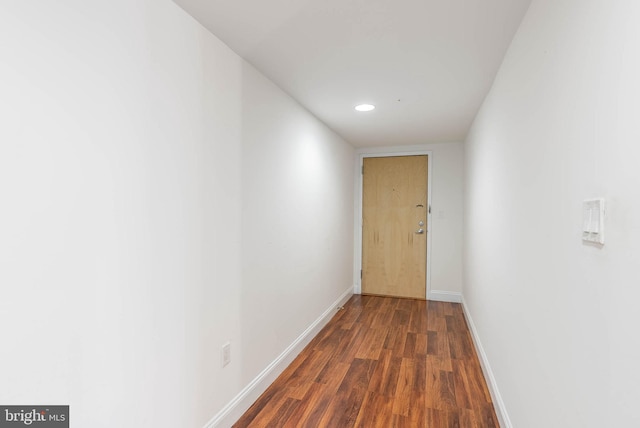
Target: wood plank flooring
{"points": [[382, 362]]}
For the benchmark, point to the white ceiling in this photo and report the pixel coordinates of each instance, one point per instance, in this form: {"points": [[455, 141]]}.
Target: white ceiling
{"points": [[427, 65]]}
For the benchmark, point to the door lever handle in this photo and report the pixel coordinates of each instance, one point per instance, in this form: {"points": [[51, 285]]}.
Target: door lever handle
{"points": [[419, 231]]}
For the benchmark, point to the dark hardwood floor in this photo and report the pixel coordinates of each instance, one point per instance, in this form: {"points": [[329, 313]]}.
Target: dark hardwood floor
{"points": [[382, 362]]}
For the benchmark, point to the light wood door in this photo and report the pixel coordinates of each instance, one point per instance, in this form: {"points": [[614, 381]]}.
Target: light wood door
{"points": [[394, 250]]}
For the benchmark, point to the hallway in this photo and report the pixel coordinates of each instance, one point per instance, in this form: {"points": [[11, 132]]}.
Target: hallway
{"points": [[182, 201], [382, 362]]}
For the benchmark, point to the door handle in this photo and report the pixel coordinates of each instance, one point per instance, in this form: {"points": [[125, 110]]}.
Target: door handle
{"points": [[419, 231]]}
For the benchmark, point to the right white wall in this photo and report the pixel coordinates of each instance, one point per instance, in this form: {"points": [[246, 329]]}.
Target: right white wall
{"points": [[557, 317]]}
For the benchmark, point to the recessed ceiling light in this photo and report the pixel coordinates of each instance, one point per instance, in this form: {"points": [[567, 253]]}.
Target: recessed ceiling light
{"points": [[365, 107]]}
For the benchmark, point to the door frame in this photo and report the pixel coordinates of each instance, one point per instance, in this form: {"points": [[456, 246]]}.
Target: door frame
{"points": [[385, 153]]}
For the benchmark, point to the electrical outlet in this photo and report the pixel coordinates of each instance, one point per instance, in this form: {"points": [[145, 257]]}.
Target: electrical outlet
{"points": [[226, 354]]}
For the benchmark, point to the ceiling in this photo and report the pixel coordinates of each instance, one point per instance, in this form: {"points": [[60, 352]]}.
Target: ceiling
{"points": [[427, 65]]}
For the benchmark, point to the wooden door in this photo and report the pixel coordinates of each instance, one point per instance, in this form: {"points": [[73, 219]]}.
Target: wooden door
{"points": [[394, 243]]}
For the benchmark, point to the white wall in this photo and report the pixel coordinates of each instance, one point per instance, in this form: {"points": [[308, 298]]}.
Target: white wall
{"points": [[125, 195], [446, 215], [557, 317], [297, 221]]}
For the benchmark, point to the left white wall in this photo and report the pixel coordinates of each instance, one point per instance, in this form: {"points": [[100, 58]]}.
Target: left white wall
{"points": [[121, 186], [297, 221]]}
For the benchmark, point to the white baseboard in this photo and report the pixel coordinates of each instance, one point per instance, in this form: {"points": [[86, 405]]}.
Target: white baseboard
{"points": [[241, 402], [498, 403], [445, 296]]}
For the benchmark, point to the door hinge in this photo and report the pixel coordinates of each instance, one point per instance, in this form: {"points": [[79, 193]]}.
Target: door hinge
{"points": [[360, 273], [362, 169]]}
